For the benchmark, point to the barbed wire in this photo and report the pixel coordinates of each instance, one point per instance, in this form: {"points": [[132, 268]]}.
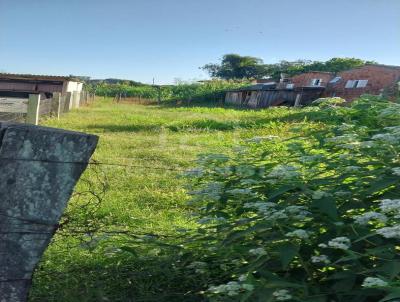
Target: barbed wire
{"points": [[91, 163]]}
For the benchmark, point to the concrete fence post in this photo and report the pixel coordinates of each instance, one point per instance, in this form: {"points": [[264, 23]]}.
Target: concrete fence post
{"points": [[39, 168], [32, 116], [56, 104], [76, 99], [68, 101], [298, 100]]}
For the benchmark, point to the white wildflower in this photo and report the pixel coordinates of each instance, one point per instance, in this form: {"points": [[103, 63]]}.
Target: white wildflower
{"points": [[390, 205], [282, 295], [345, 156], [387, 138], [302, 234], [390, 112], [210, 220], [248, 182], [393, 129], [320, 259], [342, 139], [205, 220], [350, 146], [345, 127], [223, 171], [283, 172], [310, 158], [262, 207], [297, 212], [248, 287], [198, 266], [240, 192], [350, 169], [275, 215], [322, 245], [342, 193], [396, 171], [373, 282], [390, 232], [197, 172], [232, 288], [342, 243], [367, 144], [212, 191], [319, 194], [365, 218], [258, 251], [259, 139], [242, 278]]}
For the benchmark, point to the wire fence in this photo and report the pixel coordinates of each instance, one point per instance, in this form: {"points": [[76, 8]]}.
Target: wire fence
{"points": [[32, 109]]}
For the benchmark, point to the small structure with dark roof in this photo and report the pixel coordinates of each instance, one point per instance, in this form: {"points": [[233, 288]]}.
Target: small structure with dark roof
{"points": [[21, 85], [271, 94]]}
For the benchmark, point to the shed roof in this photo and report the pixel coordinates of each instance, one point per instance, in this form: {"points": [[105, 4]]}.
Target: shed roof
{"points": [[255, 87], [37, 77]]}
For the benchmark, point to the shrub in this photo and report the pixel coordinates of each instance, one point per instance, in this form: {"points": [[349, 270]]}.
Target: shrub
{"points": [[311, 218], [210, 91]]}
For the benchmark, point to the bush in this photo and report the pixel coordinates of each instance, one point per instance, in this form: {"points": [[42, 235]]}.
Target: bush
{"points": [[311, 218], [211, 91]]}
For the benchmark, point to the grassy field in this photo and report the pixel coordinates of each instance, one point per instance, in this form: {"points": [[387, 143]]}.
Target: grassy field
{"points": [[119, 246]]}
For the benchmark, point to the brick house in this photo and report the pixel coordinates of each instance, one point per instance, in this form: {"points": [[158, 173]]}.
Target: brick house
{"points": [[350, 84], [368, 79], [304, 88], [312, 79]]}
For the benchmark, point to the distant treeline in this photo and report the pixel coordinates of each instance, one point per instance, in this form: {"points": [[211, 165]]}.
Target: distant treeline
{"points": [[233, 71], [208, 91]]}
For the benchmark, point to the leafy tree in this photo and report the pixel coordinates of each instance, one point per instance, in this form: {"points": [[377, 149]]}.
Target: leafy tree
{"points": [[234, 66], [341, 64]]}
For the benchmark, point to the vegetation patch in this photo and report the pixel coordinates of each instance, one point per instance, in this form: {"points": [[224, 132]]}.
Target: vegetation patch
{"points": [[284, 204]]}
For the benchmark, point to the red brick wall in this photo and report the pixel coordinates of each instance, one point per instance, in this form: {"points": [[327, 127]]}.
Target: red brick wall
{"points": [[306, 78], [379, 78]]}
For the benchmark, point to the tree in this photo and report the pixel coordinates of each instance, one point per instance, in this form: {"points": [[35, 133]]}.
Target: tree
{"points": [[341, 64], [301, 66], [234, 66]]}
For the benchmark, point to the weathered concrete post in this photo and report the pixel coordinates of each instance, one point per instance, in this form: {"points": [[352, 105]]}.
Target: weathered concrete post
{"points": [[39, 168], [76, 99], [56, 104], [32, 116], [68, 101], [298, 100]]}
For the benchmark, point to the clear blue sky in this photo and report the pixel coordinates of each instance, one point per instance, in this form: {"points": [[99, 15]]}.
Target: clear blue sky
{"points": [[167, 39]]}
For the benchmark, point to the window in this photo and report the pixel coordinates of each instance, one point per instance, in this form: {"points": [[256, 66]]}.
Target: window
{"points": [[349, 84], [289, 86], [362, 83], [356, 83], [316, 82], [335, 80]]}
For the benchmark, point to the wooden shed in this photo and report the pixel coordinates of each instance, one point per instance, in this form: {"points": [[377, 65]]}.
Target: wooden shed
{"points": [[21, 85], [266, 95]]}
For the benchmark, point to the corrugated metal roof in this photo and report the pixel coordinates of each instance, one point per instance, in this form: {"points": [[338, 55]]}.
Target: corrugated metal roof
{"points": [[37, 77], [263, 86]]}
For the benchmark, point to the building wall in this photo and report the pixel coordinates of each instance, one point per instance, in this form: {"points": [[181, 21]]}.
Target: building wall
{"points": [[71, 86], [272, 97], [381, 79], [22, 88], [306, 78]]}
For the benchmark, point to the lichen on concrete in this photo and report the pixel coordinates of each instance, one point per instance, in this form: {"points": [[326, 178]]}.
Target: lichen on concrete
{"points": [[39, 168]]}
